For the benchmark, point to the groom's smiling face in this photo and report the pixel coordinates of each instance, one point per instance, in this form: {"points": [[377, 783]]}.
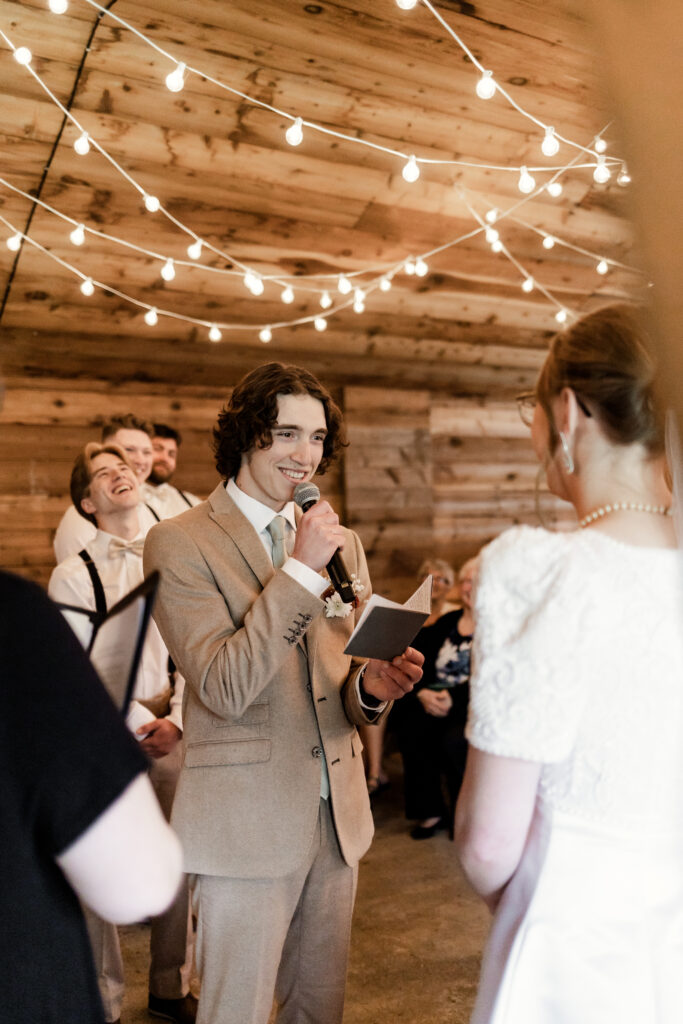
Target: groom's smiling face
{"points": [[271, 474]]}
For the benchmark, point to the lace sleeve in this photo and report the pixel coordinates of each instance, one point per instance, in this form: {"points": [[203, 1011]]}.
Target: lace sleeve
{"points": [[526, 687]]}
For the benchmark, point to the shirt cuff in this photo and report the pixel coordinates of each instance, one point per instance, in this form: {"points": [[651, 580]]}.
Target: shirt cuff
{"points": [[373, 708], [310, 579]]}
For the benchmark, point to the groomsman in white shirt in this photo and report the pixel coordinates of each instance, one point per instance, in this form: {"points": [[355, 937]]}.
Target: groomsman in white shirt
{"points": [[167, 499], [105, 491]]}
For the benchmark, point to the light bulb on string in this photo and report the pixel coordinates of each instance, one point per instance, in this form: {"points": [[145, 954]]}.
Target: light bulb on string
{"points": [[214, 333], [550, 146], [385, 284], [358, 306], [526, 183], [87, 287], [151, 317], [320, 323], [77, 236], [253, 282], [528, 284], [406, 5], [58, 6], [623, 178], [421, 267], [82, 144], [497, 246], [548, 242], [492, 216], [168, 270], [344, 286], [599, 144], [23, 55], [602, 267], [295, 133], [194, 250], [287, 295], [175, 80], [409, 267], [554, 189], [411, 170], [561, 316], [265, 335], [325, 300], [602, 173], [14, 242], [491, 235], [152, 204], [486, 87]]}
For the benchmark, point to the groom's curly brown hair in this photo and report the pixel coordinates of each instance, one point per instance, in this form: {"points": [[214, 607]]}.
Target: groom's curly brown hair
{"points": [[247, 420]]}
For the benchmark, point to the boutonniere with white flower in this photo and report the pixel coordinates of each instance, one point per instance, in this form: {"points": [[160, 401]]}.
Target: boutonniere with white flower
{"points": [[335, 607]]}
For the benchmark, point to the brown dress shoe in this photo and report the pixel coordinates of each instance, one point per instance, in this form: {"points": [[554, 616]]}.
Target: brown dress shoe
{"points": [[181, 1011]]}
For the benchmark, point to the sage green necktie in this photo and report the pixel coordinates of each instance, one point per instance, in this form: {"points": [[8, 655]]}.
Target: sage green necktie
{"points": [[276, 529]]}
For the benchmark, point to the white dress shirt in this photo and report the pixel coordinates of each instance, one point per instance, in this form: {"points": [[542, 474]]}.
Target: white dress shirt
{"points": [[70, 584], [166, 500], [74, 532]]}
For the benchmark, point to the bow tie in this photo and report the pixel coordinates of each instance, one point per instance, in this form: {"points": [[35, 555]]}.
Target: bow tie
{"points": [[119, 547]]}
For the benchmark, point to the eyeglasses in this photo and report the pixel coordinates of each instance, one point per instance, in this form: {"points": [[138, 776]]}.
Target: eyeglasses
{"points": [[527, 402]]}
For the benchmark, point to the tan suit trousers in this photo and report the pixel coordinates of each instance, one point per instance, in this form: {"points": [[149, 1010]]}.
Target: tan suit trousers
{"points": [[171, 938], [284, 938]]}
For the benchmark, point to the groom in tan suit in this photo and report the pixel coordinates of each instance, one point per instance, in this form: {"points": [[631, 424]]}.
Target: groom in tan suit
{"points": [[271, 806]]}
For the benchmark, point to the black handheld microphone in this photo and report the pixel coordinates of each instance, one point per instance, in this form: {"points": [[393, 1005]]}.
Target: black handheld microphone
{"points": [[306, 495]]}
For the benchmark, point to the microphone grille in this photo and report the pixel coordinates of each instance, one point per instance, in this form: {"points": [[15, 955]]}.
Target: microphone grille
{"points": [[305, 493]]}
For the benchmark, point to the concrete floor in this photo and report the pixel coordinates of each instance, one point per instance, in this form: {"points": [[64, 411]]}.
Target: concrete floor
{"points": [[417, 938]]}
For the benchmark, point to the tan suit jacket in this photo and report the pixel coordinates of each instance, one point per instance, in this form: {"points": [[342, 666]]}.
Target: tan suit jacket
{"points": [[260, 700]]}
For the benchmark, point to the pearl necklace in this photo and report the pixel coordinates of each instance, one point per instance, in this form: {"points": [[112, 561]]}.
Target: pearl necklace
{"points": [[624, 506]]}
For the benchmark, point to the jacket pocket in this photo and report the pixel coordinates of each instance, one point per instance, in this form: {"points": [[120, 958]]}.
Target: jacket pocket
{"points": [[255, 714], [209, 753]]}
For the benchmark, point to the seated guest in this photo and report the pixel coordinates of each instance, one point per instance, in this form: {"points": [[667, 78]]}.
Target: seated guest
{"points": [[104, 488], [79, 818], [430, 722], [166, 499], [135, 437]]}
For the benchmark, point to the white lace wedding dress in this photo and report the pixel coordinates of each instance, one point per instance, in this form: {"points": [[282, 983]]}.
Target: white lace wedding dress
{"points": [[578, 664]]}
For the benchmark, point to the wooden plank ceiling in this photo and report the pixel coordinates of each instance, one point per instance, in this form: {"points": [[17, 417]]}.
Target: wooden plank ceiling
{"points": [[220, 165]]}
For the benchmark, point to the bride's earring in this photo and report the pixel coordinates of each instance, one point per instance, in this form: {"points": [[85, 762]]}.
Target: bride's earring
{"points": [[566, 454]]}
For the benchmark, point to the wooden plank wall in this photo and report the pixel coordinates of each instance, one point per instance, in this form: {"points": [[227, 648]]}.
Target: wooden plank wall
{"points": [[424, 473]]}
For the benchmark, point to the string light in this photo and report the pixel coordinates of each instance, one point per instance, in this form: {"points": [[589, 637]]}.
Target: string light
{"points": [[214, 333], [385, 284], [561, 316], [421, 267], [358, 306], [526, 183], [406, 5], [288, 295], [497, 246], [602, 173], [602, 267], [152, 204], [77, 236], [554, 189], [623, 178], [168, 270], [409, 267], [492, 215], [528, 284], [320, 323], [491, 235], [265, 335], [550, 146], [194, 250], [344, 286], [486, 87], [548, 242], [295, 133], [87, 287], [175, 80], [58, 6], [23, 55], [599, 144], [253, 282], [82, 144], [325, 300], [151, 318], [14, 242], [411, 170]]}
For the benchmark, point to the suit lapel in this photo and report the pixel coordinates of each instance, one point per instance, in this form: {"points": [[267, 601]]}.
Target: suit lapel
{"points": [[226, 514]]}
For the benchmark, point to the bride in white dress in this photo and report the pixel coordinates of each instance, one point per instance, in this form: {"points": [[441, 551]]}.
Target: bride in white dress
{"points": [[570, 820]]}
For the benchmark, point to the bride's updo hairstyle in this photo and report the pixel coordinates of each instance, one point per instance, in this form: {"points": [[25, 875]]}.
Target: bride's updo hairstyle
{"points": [[606, 359]]}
